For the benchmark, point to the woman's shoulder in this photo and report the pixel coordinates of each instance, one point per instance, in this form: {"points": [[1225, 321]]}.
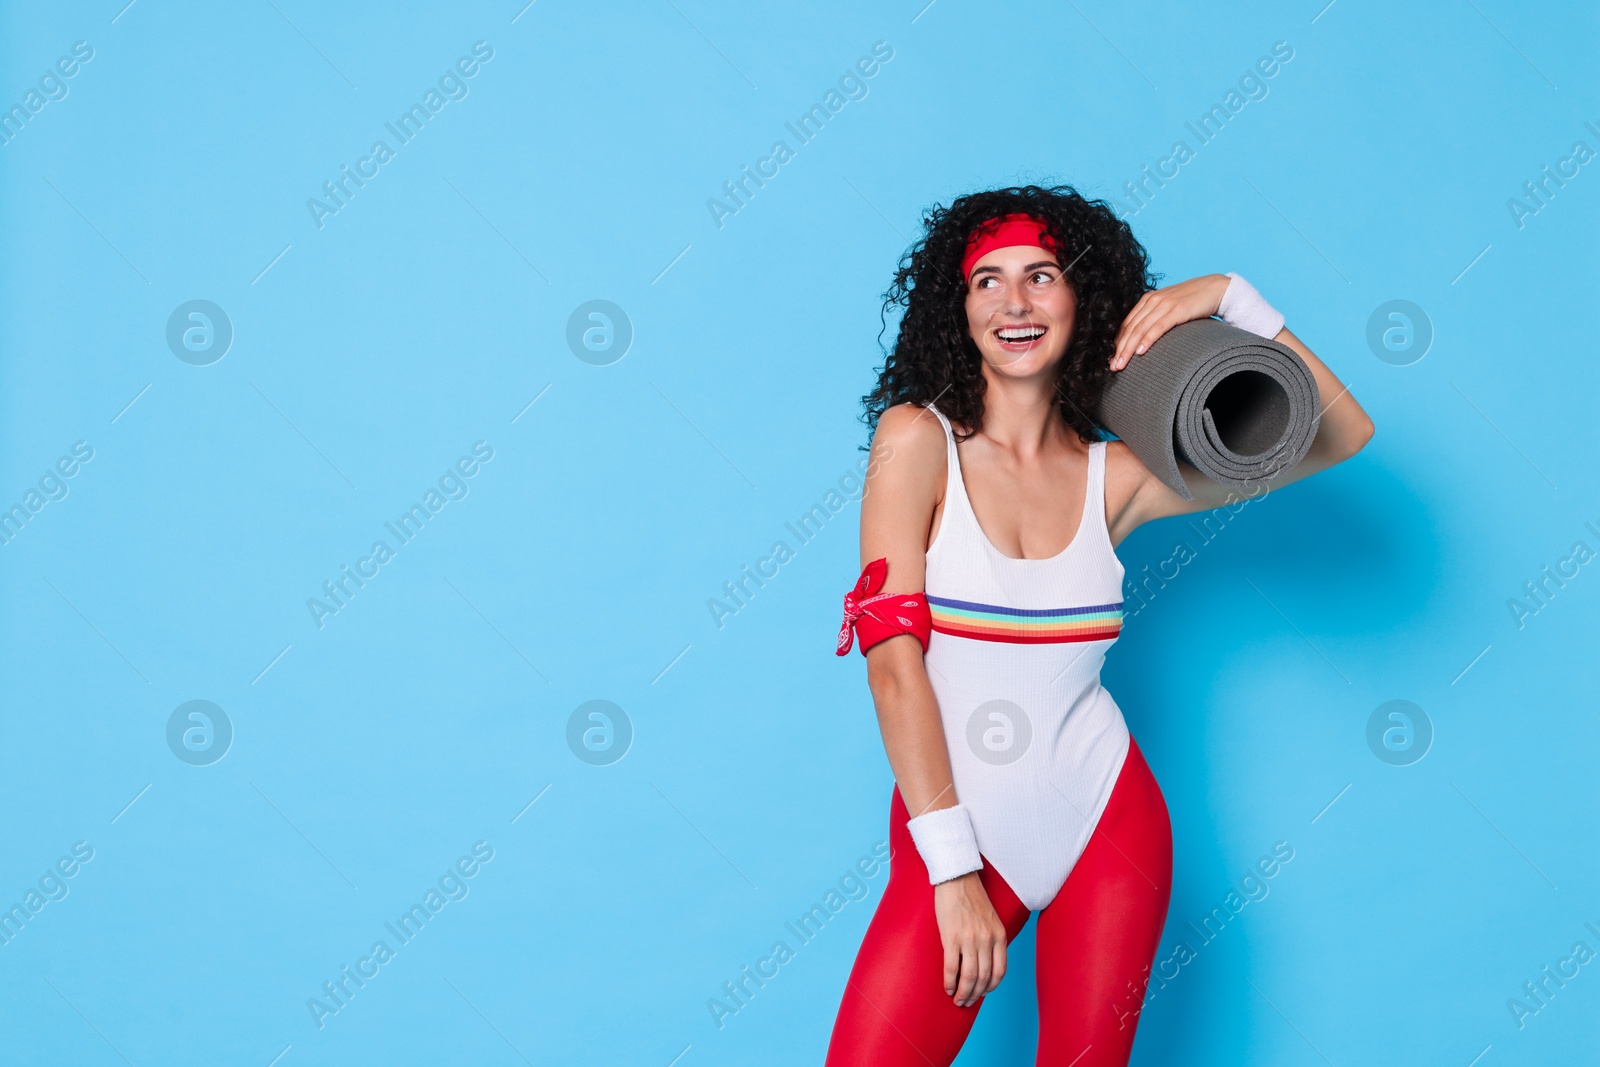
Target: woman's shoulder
{"points": [[910, 426], [1125, 475], [911, 438]]}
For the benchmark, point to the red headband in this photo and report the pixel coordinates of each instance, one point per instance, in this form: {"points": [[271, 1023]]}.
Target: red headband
{"points": [[1015, 229]]}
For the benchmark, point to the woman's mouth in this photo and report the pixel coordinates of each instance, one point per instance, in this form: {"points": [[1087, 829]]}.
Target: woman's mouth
{"points": [[1020, 338]]}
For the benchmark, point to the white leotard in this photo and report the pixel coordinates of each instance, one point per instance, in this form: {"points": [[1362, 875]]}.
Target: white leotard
{"points": [[1035, 741]]}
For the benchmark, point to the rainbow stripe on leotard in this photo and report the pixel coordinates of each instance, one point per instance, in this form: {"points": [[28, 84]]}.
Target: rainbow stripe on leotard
{"points": [[1025, 626]]}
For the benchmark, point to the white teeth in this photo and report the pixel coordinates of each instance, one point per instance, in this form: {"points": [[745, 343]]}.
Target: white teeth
{"points": [[1020, 333]]}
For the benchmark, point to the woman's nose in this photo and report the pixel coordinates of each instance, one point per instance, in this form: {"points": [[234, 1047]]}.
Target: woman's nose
{"points": [[1017, 299]]}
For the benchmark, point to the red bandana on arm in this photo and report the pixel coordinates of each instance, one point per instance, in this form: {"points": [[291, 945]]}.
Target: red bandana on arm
{"points": [[1015, 229], [875, 618]]}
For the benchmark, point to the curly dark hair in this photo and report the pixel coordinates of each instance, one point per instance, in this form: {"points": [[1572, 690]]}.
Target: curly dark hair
{"points": [[934, 356]]}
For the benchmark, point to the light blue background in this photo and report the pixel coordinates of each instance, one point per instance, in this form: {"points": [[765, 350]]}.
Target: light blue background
{"points": [[425, 716]]}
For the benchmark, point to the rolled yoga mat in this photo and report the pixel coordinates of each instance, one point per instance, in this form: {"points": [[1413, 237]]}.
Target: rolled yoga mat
{"points": [[1235, 406]]}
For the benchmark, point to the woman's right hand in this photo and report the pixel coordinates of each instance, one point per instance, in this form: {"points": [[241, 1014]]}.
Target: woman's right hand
{"points": [[974, 939]]}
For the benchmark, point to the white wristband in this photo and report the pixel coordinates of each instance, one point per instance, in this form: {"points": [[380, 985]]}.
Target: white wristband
{"points": [[1245, 308], [946, 842]]}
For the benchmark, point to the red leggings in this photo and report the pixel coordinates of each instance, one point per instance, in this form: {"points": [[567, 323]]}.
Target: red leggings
{"points": [[1096, 941]]}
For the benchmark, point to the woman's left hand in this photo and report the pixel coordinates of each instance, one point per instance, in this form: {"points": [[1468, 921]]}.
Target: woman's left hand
{"points": [[1160, 310]]}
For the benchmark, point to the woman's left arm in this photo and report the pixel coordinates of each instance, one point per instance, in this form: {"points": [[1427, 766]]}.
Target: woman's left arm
{"points": [[1344, 427]]}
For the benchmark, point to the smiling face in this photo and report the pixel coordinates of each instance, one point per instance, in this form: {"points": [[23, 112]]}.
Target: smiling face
{"points": [[1020, 309]]}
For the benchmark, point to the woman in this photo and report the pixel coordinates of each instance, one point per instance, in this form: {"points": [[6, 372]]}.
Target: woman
{"points": [[989, 595]]}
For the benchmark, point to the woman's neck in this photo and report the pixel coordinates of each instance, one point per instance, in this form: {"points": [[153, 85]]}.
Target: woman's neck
{"points": [[1021, 416]]}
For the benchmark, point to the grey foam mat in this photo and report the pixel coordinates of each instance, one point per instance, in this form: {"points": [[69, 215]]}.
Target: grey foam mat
{"points": [[1235, 406]]}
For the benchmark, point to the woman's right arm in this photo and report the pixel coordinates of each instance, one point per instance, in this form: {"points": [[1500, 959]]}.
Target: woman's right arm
{"points": [[904, 482]]}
